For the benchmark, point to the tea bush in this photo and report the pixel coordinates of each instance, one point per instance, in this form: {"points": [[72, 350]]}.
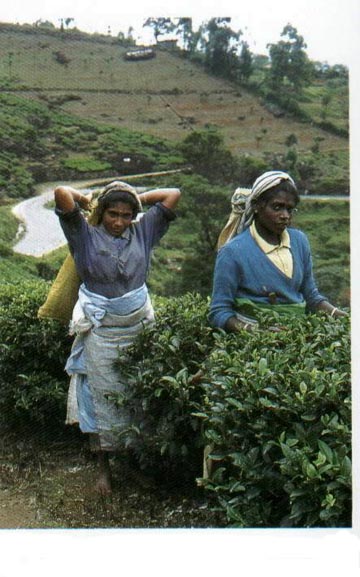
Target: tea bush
{"points": [[85, 164], [33, 384], [274, 407], [277, 414], [163, 388]]}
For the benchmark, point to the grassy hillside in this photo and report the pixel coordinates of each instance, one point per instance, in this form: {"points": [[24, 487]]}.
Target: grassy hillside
{"points": [[38, 143], [167, 97]]}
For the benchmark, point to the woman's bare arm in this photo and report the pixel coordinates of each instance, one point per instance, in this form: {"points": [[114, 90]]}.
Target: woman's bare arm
{"points": [[66, 196], [169, 197]]}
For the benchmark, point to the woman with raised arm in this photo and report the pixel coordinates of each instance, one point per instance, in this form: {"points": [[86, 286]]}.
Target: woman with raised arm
{"points": [[112, 258]]}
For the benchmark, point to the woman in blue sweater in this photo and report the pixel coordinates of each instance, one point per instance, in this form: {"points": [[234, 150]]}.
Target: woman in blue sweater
{"points": [[267, 263]]}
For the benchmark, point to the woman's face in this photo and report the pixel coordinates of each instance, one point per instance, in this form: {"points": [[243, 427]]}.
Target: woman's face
{"points": [[274, 215], [117, 218]]}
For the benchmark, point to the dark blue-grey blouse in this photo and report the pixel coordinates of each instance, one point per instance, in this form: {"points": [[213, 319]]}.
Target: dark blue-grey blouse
{"points": [[112, 266]]}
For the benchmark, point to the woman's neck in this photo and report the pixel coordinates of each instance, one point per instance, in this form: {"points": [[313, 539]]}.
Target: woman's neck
{"points": [[267, 235]]}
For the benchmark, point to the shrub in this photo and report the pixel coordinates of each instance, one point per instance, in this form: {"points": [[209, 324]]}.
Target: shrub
{"points": [[61, 58], [275, 407], [206, 152], [277, 413], [291, 140], [14, 178], [334, 281], [33, 353], [333, 129], [85, 164], [162, 392], [209, 208], [250, 168], [333, 185]]}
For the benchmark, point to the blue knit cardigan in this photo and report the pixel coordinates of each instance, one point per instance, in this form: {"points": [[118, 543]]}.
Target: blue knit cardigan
{"points": [[243, 270]]}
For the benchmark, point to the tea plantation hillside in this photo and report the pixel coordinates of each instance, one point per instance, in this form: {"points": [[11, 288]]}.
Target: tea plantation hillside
{"points": [[167, 96], [73, 109]]}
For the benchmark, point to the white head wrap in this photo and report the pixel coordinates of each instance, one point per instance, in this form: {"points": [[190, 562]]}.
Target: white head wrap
{"points": [[242, 204], [116, 185], [121, 186]]}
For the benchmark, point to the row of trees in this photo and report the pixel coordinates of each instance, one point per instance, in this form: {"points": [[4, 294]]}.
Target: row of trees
{"points": [[224, 52], [64, 23], [221, 49], [279, 78]]}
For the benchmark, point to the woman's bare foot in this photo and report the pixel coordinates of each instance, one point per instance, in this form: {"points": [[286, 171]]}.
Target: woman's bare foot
{"points": [[103, 485]]}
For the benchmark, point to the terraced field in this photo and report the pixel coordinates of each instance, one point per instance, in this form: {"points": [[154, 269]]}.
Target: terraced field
{"points": [[167, 96]]}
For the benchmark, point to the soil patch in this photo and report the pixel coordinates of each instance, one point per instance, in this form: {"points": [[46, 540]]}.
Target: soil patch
{"points": [[51, 484]]}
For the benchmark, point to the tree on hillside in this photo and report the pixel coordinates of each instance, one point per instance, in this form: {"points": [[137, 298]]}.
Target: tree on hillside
{"points": [[206, 152], [245, 67], [68, 21], [324, 70], [43, 24], [160, 26], [197, 44], [183, 27], [209, 207], [221, 44], [325, 102], [126, 40], [290, 66]]}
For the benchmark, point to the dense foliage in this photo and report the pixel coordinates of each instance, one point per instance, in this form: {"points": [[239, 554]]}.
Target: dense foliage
{"points": [[277, 415], [274, 408], [163, 390], [33, 383]]}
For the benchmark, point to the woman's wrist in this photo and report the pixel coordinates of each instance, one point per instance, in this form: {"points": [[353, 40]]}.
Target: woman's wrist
{"points": [[151, 196], [233, 324], [82, 200], [338, 313], [144, 197]]}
